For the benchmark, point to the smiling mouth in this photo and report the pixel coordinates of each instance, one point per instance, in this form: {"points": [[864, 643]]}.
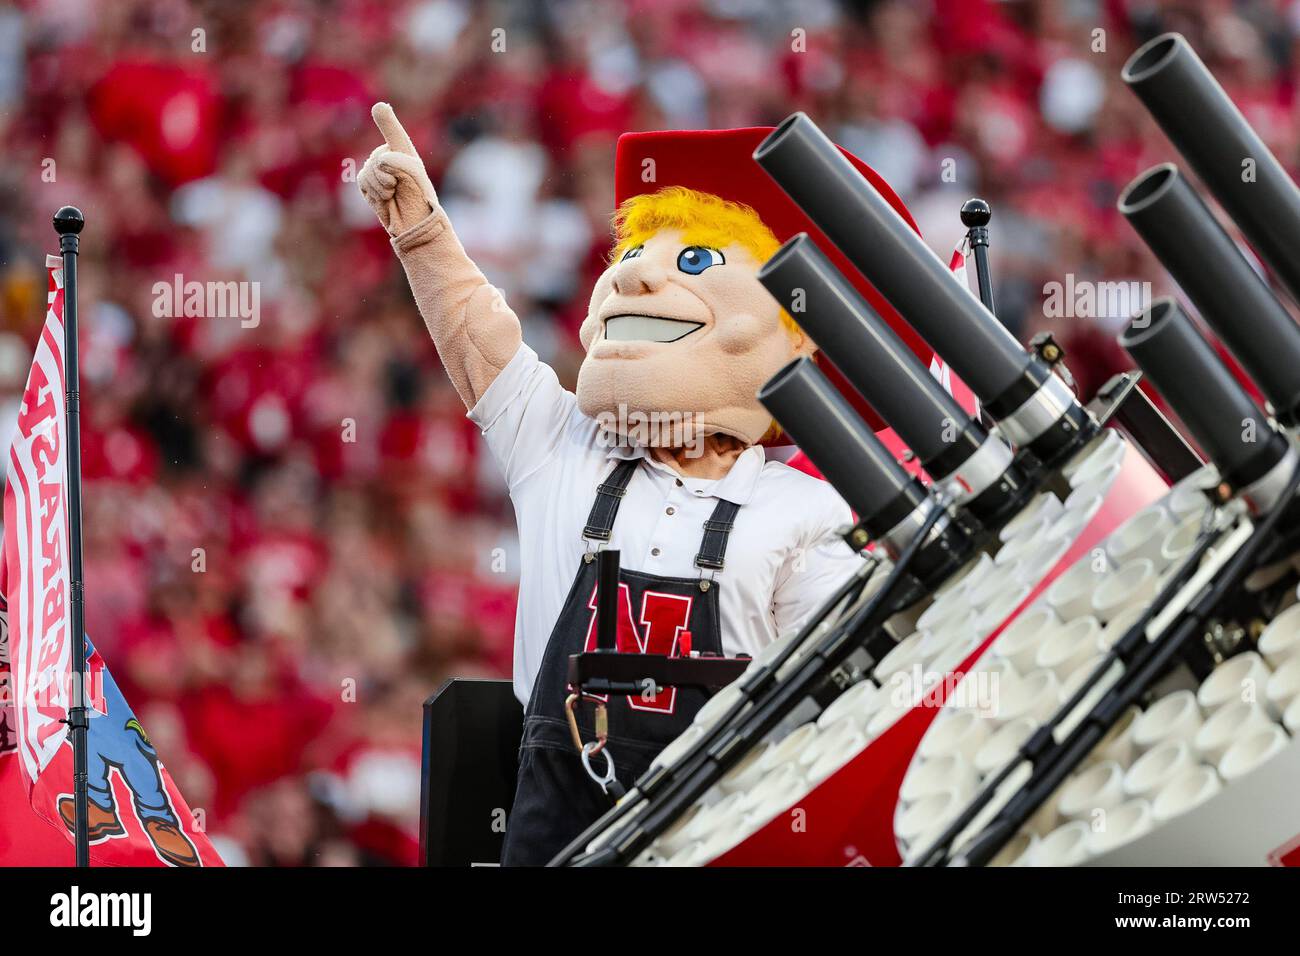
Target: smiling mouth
{"points": [[647, 328]]}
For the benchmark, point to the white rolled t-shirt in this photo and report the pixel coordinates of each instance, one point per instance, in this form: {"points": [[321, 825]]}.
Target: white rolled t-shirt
{"points": [[784, 556]]}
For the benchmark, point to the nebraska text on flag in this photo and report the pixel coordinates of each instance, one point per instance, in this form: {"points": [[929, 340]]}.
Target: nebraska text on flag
{"points": [[35, 545]]}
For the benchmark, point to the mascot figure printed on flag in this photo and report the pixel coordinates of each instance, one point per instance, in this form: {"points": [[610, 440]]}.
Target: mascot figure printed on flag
{"points": [[117, 742], [123, 767]]}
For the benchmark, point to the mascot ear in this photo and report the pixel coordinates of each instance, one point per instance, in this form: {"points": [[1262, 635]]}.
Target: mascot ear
{"points": [[802, 343]]}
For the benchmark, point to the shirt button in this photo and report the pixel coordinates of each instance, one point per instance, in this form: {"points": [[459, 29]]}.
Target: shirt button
{"points": [[655, 552], [671, 511], [679, 482]]}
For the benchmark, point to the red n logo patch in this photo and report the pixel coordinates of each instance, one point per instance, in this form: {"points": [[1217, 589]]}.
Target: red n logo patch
{"points": [[656, 630]]}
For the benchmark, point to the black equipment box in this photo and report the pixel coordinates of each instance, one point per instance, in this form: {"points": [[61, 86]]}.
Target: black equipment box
{"points": [[472, 730]]}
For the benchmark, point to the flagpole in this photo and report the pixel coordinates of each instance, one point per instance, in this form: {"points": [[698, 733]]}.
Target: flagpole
{"points": [[975, 215], [68, 223]]}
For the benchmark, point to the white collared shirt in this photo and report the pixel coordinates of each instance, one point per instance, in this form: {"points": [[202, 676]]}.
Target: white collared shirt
{"points": [[784, 556]]}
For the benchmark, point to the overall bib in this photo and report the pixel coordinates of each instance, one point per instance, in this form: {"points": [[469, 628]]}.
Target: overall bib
{"points": [[555, 799]]}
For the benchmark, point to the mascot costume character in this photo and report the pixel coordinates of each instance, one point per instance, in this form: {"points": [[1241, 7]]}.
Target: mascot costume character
{"points": [[723, 547]]}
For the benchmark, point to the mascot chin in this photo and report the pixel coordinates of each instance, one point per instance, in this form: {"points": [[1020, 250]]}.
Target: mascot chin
{"points": [[661, 453]]}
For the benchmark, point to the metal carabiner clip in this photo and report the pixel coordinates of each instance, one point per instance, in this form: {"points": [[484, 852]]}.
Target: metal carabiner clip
{"points": [[569, 704], [607, 781]]}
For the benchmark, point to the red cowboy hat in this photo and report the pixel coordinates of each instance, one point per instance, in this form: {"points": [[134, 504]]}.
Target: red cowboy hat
{"points": [[721, 162]]}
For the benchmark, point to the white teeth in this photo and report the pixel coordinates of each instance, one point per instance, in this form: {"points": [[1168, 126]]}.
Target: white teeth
{"points": [[647, 328]]}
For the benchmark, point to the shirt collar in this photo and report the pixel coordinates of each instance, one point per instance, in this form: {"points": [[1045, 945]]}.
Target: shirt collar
{"points": [[737, 485]]}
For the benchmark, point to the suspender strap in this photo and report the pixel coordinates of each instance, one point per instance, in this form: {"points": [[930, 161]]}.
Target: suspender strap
{"points": [[609, 495], [713, 548]]}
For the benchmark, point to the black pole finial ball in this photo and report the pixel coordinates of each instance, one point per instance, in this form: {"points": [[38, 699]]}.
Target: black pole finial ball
{"points": [[69, 221], [975, 212]]}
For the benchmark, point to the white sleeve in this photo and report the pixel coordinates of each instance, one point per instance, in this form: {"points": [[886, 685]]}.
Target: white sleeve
{"points": [[523, 416], [812, 572]]}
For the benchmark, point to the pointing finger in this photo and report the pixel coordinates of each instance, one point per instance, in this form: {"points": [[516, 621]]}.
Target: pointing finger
{"points": [[392, 130]]}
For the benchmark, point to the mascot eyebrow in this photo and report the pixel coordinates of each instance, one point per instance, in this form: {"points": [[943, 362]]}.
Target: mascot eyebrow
{"points": [[703, 219]]}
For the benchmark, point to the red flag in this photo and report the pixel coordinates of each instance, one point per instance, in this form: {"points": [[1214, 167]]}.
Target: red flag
{"points": [[137, 816]]}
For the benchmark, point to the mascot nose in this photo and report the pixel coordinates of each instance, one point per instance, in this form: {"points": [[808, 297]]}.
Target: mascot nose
{"points": [[638, 277]]}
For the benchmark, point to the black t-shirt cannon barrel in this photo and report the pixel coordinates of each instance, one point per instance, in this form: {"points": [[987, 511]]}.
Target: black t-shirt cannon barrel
{"points": [[1034, 409], [1230, 295], [1236, 166], [952, 447], [892, 504], [1212, 404]]}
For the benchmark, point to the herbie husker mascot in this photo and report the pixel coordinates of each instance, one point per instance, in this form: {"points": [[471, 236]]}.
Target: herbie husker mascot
{"points": [[716, 539]]}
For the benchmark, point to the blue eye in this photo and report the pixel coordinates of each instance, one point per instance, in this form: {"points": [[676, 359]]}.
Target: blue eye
{"points": [[632, 253], [695, 259]]}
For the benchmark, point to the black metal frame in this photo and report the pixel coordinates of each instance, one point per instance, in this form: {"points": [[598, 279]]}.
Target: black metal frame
{"points": [[1124, 403], [468, 768], [602, 672]]}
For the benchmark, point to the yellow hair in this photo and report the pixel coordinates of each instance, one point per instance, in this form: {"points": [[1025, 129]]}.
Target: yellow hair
{"points": [[703, 219]]}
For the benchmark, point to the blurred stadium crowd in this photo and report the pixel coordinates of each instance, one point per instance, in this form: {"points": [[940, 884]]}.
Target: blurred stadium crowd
{"points": [[292, 534]]}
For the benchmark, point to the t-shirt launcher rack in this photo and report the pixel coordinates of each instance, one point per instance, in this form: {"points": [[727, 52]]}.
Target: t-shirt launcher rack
{"points": [[1079, 643]]}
